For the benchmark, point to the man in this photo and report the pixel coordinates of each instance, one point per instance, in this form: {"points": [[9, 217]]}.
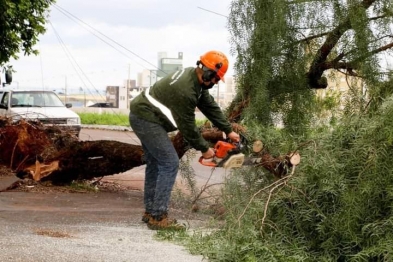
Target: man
{"points": [[167, 106]]}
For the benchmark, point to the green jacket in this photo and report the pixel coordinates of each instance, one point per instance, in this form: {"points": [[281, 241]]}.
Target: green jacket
{"points": [[181, 93]]}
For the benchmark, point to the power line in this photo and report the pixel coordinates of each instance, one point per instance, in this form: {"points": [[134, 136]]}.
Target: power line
{"points": [[68, 54], [212, 12], [69, 15], [72, 59]]}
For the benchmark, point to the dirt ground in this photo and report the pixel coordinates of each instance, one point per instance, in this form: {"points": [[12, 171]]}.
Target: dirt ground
{"points": [[88, 221]]}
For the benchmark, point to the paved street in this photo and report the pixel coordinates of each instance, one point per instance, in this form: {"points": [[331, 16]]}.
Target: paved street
{"points": [[83, 227], [134, 178], [104, 226]]}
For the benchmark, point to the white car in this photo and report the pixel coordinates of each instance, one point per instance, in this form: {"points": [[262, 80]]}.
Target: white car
{"points": [[41, 105]]}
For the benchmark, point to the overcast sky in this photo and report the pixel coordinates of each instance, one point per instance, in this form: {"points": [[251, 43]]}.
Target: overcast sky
{"points": [[70, 53]]}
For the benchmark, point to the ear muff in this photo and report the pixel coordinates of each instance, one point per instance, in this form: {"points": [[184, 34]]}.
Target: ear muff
{"points": [[209, 74]]}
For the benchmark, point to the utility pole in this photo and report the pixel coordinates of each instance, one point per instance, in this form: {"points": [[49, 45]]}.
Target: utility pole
{"points": [[84, 96], [128, 88], [65, 91]]}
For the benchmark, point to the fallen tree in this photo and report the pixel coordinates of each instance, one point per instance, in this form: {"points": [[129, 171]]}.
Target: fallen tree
{"points": [[49, 153]]}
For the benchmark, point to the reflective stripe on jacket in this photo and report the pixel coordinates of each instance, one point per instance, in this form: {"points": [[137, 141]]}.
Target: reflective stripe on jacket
{"points": [[181, 93]]}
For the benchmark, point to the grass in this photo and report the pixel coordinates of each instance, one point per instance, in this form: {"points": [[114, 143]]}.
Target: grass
{"points": [[104, 119], [112, 119], [83, 186]]}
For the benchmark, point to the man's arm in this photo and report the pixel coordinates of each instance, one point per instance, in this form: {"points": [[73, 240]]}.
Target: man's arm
{"points": [[213, 112], [185, 120]]}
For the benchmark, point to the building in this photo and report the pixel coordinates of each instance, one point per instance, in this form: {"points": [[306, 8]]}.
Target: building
{"points": [[167, 64], [147, 78], [120, 96], [340, 83], [117, 95], [224, 93], [230, 90]]}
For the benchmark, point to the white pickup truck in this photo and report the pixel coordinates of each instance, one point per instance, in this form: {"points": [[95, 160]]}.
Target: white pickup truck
{"points": [[44, 106]]}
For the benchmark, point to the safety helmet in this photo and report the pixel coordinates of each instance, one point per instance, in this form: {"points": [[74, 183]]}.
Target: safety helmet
{"points": [[216, 61]]}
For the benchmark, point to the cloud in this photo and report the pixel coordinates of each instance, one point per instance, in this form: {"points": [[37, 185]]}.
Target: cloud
{"points": [[144, 13], [129, 35]]}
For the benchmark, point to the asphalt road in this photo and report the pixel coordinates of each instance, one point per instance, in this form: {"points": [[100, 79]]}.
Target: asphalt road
{"points": [[134, 177], [86, 227], [57, 226], [109, 134]]}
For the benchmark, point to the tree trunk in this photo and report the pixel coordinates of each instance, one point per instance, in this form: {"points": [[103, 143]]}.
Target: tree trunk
{"points": [[43, 153]]}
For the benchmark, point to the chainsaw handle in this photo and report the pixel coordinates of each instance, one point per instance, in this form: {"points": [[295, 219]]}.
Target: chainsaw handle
{"points": [[207, 163]]}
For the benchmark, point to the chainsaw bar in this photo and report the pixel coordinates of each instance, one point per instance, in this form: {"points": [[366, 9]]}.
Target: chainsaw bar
{"points": [[229, 155], [233, 161], [251, 161]]}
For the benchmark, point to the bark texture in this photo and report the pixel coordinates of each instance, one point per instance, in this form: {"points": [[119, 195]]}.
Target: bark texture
{"points": [[42, 153]]}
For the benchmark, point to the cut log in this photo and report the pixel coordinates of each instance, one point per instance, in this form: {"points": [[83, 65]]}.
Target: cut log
{"points": [[42, 153], [257, 146], [294, 158]]}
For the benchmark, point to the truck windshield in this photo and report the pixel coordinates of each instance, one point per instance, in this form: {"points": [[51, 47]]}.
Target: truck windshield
{"points": [[35, 99]]}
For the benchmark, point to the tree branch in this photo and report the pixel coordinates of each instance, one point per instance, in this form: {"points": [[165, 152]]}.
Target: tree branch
{"points": [[318, 65], [352, 64], [309, 38]]}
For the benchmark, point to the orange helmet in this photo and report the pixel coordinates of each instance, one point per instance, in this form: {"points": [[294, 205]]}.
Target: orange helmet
{"points": [[216, 61]]}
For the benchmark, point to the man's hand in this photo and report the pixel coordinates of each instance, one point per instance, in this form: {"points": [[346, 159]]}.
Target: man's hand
{"points": [[234, 136], [209, 153]]}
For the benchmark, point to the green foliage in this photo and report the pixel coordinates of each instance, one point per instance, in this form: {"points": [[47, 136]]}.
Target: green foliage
{"points": [[178, 236], [275, 140], [336, 207], [187, 172], [284, 48], [380, 92], [338, 204], [326, 110], [104, 119], [83, 186], [21, 23]]}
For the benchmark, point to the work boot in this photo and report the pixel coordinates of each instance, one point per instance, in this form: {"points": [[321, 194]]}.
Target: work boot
{"points": [[146, 217], [161, 222]]}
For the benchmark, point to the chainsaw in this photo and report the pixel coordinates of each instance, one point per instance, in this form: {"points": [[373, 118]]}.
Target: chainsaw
{"points": [[229, 155]]}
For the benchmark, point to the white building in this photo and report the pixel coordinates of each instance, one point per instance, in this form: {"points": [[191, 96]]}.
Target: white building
{"points": [[147, 78], [224, 93]]}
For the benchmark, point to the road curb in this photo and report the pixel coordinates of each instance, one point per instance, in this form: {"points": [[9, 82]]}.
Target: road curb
{"points": [[108, 127]]}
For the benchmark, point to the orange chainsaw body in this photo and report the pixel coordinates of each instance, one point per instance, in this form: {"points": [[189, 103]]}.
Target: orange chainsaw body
{"points": [[222, 148], [223, 151]]}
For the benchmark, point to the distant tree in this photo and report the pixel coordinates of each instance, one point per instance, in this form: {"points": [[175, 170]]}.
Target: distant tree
{"points": [[285, 49], [21, 22]]}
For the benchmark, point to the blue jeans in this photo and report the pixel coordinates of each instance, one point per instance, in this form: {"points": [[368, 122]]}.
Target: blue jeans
{"points": [[162, 163]]}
